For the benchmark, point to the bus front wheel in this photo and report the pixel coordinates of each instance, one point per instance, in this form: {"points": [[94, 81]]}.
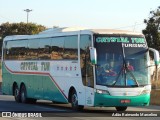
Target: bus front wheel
{"points": [[121, 108], [74, 102]]}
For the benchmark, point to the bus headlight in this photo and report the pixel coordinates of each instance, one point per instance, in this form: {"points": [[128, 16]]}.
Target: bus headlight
{"points": [[102, 91], [145, 92]]}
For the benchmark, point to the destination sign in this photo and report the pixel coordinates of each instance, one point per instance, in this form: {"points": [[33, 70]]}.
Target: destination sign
{"points": [[127, 42]]}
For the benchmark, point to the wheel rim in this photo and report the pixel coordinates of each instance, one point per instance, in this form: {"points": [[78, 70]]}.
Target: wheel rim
{"points": [[74, 100], [16, 93], [23, 97]]}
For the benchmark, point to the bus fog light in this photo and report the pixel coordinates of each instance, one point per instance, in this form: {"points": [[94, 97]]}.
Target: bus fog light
{"points": [[102, 91]]}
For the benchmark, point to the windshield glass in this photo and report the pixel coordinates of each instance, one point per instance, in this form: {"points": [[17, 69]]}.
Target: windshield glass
{"points": [[121, 60]]}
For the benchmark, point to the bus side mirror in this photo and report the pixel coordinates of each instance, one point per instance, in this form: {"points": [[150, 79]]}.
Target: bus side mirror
{"points": [[93, 55], [156, 56]]}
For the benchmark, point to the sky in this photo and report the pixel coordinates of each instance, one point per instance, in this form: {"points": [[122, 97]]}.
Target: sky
{"points": [[109, 14]]}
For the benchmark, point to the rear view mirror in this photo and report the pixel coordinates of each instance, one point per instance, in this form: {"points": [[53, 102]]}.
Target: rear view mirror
{"points": [[156, 56], [93, 55]]}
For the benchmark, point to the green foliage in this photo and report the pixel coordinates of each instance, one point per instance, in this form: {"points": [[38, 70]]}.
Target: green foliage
{"points": [[151, 31], [7, 29], [20, 29]]}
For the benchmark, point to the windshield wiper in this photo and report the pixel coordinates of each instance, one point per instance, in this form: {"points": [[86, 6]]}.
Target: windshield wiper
{"points": [[130, 72], [124, 71]]}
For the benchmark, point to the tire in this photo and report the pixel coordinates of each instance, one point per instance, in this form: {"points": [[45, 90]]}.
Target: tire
{"points": [[17, 94], [23, 94], [121, 108], [74, 102]]}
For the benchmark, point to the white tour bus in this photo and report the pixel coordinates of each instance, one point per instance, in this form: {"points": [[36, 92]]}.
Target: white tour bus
{"points": [[84, 67]]}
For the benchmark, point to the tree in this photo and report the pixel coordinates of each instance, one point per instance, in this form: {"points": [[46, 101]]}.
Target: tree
{"points": [[151, 31], [20, 29]]}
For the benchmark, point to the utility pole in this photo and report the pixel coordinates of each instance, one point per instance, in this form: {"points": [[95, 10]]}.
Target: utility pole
{"points": [[27, 10], [134, 26]]}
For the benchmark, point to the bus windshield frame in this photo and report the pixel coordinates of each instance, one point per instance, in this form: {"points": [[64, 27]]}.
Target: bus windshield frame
{"points": [[122, 60]]}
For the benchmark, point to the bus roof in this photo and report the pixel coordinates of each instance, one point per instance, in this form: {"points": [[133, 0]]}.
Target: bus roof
{"points": [[98, 31], [70, 31]]}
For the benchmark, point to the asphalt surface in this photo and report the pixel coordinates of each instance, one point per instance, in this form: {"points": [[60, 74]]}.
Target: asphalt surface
{"points": [[46, 110]]}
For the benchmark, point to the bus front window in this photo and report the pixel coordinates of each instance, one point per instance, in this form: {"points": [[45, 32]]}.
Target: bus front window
{"points": [[121, 61]]}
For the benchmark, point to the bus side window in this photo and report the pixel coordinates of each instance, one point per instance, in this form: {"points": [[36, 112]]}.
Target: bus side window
{"points": [[71, 48], [32, 53], [8, 53], [44, 49], [57, 48], [64, 48], [86, 67], [15, 50], [5, 51], [89, 70]]}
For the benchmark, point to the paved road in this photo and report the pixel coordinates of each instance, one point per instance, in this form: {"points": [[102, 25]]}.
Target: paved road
{"points": [[63, 111]]}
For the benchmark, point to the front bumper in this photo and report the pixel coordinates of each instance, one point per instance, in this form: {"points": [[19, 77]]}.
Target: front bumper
{"points": [[113, 101]]}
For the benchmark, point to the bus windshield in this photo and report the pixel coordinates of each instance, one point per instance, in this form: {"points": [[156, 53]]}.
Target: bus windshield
{"points": [[121, 60]]}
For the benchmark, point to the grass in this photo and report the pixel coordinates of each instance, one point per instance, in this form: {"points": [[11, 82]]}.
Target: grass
{"points": [[155, 96]]}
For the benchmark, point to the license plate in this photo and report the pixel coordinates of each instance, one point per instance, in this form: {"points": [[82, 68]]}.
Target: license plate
{"points": [[125, 101]]}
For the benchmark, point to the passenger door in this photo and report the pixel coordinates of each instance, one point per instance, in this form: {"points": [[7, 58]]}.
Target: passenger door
{"points": [[87, 69]]}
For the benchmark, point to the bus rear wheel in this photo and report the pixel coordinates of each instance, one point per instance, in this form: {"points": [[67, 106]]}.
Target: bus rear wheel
{"points": [[17, 94], [23, 94], [121, 108], [74, 102]]}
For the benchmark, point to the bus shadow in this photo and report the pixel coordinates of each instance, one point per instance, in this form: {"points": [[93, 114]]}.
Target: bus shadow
{"points": [[85, 110], [69, 112]]}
